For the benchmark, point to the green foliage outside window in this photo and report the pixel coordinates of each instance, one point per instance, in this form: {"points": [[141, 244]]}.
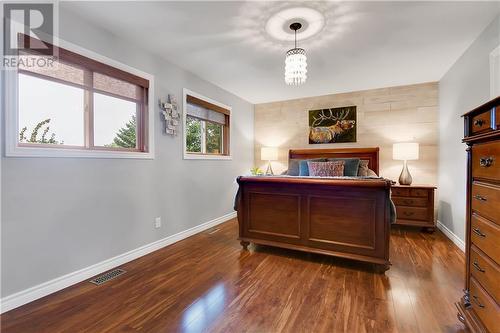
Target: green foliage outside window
{"points": [[194, 139], [214, 138], [126, 136], [193, 135], [34, 134]]}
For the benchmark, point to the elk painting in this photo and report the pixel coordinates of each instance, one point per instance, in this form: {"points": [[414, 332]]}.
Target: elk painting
{"points": [[332, 125]]}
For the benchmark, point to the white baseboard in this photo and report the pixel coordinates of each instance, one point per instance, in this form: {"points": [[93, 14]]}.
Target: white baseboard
{"points": [[454, 238], [29, 295]]}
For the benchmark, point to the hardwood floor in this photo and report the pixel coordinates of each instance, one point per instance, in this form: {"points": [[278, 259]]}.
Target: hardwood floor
{"points": [[207, 283]]}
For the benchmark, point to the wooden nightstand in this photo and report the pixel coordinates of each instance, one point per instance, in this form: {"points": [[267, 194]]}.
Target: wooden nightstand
{"points": [[414, 205]]}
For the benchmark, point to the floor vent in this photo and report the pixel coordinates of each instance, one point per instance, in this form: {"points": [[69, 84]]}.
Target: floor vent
{"points": [[213, 231], [107, 276]]}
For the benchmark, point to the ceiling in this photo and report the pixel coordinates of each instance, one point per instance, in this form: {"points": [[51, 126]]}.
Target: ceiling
{"points": [[362, 45]]}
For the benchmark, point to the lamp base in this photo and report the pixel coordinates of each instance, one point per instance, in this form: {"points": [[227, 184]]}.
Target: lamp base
{"points": [[405, 177], [269, 171]]}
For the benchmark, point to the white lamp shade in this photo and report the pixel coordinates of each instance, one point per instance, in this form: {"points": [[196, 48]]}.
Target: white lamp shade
{"points": [[405, 151], [269, 153]]}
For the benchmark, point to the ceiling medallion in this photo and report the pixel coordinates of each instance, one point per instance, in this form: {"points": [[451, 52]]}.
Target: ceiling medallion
{"points": [[295, 62]]}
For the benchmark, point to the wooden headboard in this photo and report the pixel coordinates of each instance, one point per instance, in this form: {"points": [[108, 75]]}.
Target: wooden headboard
{"points": [[370, 154]]}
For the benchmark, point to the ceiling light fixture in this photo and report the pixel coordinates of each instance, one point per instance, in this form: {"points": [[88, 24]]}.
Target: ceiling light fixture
{"points": [[295, 62]]}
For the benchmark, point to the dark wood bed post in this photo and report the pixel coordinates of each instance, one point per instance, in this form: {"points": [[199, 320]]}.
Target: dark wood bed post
{"points": [[348, 218]]}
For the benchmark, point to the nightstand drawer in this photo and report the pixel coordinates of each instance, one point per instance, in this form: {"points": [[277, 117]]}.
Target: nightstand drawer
{"points": [[486, 201], [413, 202], [486, 272], [419, 192], [400, 192], [484, 306], [412, 213], [485, 235]]}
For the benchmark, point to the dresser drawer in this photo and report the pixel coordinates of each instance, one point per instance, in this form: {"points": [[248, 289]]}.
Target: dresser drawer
{"points": [[486, 236], [486, 160], [400, 192], [481, 122], [487, 272], [484, 306], [486, 200], [412, 213], [408, 201]]}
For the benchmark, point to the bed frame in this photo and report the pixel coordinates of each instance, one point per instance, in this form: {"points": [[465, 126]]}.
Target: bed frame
{"points": [[348, 218]]}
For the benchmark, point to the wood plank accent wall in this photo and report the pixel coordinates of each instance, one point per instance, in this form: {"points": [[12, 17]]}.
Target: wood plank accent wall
{"points": [[385, 116]]}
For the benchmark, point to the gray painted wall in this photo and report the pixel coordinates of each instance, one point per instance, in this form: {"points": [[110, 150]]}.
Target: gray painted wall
{"points": [[465, 86], [63, 214]]}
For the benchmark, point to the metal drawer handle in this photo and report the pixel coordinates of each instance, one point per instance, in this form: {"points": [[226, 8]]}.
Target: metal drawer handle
{"points": [[408, 202], [408, 213], [486, 161], [476, 300], [480, 198], [479, 122], [476, 266], [478, 232]]}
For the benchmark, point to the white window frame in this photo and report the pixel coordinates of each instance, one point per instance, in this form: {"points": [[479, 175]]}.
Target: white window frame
{"points": [[201, 156], [11, 93]]}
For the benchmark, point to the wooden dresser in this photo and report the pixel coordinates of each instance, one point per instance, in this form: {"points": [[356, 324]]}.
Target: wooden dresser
{"points": [[414, 205], [479, 307]]}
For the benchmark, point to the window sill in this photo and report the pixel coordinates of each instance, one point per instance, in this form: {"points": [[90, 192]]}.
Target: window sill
{"points": [[206, 157], [80, 153]]}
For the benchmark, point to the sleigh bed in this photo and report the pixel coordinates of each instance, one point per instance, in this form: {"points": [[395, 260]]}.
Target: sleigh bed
{"points": [[346, 217]]}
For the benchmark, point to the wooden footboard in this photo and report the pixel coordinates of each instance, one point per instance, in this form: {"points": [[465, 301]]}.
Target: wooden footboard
{"points": [[343, 218]]}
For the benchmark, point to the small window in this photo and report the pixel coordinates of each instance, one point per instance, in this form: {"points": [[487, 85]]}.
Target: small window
{"points": [[79, 104], [207, 127]]}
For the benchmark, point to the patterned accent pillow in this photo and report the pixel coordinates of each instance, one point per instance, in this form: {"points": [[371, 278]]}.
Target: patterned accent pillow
{"points": [[363, 168], [326, 169], [351, 165], [304, 168]]}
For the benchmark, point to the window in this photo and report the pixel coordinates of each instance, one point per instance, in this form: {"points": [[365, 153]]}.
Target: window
{"points": [[78, 107], [207, 127]]}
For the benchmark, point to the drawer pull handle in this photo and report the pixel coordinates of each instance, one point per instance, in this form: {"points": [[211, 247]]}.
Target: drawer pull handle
{"points": [[480, 198], [476, 266], [476, 300], [408, 202], [485, 161], [478, 232], [408, 213], [479, 122]]}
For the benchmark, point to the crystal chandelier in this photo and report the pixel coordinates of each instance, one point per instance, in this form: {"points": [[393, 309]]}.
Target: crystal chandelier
{"points": [[295, 62]]}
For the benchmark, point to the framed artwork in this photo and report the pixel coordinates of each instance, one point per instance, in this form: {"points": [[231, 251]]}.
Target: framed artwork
{"points": [[333, 125]]}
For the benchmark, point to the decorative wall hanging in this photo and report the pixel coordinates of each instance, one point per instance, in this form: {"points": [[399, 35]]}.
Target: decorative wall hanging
{"points": [[332, 125], [170, 114]]}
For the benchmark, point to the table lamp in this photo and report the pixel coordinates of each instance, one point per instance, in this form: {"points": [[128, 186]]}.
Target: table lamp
{"points": [[406, 151], [269, 154]]}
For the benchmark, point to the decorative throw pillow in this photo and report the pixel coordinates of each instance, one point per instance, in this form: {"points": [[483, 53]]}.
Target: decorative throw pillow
{"points": [[371, 173], [363, 168], [326, 169], [293, 167], [304, 168], [351, 165]]}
